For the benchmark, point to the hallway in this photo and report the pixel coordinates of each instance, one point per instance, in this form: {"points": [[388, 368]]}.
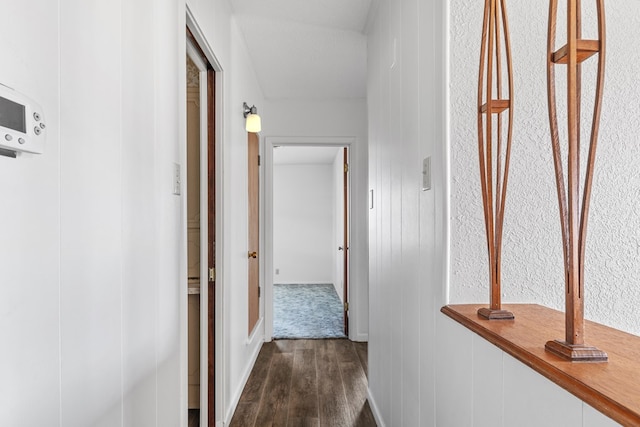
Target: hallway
{"points": [[307, 383]]}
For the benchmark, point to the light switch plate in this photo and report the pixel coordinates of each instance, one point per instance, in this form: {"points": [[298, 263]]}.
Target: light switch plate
{"points": [[426, 174]]}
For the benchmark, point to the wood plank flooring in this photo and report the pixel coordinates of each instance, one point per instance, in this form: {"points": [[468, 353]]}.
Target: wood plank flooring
{"points": [[307, 383], [194, 418]]}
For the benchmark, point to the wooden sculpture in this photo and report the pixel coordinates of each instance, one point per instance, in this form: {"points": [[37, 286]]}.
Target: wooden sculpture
{"points": [[492, 146], [574, 208]]}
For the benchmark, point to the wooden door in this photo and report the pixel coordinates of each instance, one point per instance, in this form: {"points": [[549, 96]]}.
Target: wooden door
{"points": [[210, 281], [211, 221], [345, 253], [194, 140], [254, 230]]}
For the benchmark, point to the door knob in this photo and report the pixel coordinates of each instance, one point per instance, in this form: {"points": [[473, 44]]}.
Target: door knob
{"points": [[340, 248], [253, 254]]}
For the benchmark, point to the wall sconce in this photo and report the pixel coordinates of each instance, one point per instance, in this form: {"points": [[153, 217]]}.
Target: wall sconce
{"points": [[253, 123]]}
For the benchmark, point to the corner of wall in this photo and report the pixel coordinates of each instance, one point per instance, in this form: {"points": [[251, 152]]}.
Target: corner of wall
{"points": [[256, 340], [374, 409]]}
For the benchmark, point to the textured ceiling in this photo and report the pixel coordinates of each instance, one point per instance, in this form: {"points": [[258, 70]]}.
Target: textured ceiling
{"points": [[306, 49]]}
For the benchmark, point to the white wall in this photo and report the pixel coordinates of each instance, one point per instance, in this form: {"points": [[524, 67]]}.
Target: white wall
{"points": [[30, 216], [303, 223], [91, 219], [93, 259], [236, 84], [407, 226], [532, 256], [335, 118]]}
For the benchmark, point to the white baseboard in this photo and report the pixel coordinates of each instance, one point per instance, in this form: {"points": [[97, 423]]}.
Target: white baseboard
{"points": [[245, 377], [374, 409], [361, 337]]}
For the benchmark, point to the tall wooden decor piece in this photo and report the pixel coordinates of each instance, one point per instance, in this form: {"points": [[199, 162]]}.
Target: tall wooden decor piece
{"points": [[494, 149], [574, 208]]}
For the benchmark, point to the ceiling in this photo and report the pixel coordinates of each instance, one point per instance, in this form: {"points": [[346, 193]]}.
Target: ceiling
{"points": [[304, 155], [306, 49]]}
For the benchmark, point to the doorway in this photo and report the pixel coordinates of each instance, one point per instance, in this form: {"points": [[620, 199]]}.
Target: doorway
{"points": [[309, 241], [201, 233]]}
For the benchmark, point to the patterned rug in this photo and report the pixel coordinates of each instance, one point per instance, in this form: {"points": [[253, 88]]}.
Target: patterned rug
{"points": [[307, 311]]}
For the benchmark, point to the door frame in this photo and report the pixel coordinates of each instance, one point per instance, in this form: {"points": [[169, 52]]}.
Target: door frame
{"points": [[206, 50], [346, 224], [270, 144], [254, 239]]}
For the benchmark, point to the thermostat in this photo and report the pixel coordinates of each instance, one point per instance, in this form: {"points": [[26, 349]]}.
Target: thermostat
{"points": [[22, 124]]}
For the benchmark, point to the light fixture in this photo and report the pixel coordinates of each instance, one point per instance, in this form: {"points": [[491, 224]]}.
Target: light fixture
{"points": [[253, 123]]}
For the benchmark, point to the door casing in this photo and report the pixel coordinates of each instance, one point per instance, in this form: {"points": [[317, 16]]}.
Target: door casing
{"points": [[212, 129], [267, 235], [345, 237]]}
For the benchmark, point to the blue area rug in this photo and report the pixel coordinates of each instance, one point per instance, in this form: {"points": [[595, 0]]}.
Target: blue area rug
{"points": [[307, 311]]}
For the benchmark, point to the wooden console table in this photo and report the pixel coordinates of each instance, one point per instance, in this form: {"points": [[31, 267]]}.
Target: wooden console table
{"points": [[613, 388]]}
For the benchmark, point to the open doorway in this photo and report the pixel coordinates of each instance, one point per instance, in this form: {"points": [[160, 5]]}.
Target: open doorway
{"points": [[310, 229], [201, 233]]}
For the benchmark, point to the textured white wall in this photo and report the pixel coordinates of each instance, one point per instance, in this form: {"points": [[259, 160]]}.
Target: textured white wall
{"points": [[303, 223], [532, 254]]}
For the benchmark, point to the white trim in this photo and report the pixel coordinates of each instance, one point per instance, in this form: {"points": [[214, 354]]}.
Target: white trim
{"points": [[256, 332], [183, 226], [361, 337], [446, 184], [202, 40], [261, 234], [310, 141], [270, 143], [374, 409], [245, 377], [193, 53], [268, 237]]}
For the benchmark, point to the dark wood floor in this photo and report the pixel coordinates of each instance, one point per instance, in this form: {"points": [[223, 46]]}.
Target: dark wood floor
{"points": [[194, 417], [307, 383]]}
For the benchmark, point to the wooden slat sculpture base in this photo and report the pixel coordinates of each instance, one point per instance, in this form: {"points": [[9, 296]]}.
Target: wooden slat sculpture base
{"points": [[487, 313], [494, 148], [574, 206], [576, 353]]}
